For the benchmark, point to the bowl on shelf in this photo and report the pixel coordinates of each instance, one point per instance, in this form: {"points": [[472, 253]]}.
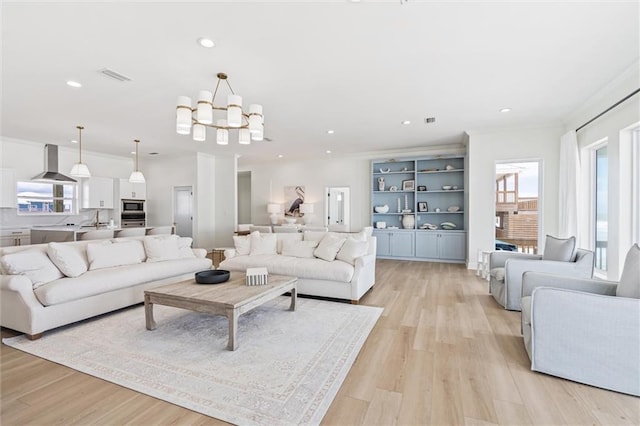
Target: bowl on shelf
{"points": [[290, 220], [453, 209], [213, 276], [393, 188], [381, 225], [381, 209], [387, 170], [446, 187]]}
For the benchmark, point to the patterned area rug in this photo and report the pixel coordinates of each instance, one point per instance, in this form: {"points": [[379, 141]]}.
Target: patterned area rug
{"points": [[287, 369]]}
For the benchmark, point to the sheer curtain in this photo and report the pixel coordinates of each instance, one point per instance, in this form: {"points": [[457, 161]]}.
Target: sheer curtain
{"points": [[569, 180]]}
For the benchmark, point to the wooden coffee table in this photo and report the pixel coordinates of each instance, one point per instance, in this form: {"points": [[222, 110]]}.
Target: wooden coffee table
{"points": [[231, 299]]}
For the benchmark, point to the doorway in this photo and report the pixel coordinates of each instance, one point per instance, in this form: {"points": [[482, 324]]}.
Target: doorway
{"points": [[244, 197], [517, 206], [183, 210]]}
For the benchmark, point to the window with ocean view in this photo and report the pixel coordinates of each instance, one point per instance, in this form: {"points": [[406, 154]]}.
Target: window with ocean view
{"points": [[601, 197]]}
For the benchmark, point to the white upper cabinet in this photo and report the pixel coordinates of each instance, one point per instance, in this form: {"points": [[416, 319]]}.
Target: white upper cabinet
{"points": [[7, 188], [97, 193], [132, 191]]}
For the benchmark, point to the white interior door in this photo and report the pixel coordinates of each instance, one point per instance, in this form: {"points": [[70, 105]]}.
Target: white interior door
{"points": [[183, 210]]}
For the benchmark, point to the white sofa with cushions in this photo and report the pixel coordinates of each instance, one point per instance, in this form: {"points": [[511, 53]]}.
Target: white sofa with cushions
{"points": [[327, 264], [45, 286]]}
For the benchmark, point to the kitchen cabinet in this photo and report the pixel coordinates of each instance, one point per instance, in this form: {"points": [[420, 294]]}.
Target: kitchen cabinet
{"points": [[7, 188], [132, 191], [97, 193], [15, 237], [449, 246], [394, 243], [423, 197]]}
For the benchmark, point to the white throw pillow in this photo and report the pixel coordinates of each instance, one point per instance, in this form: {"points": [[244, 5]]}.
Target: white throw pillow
{"points": [[34, 264], [288, 236], [138, 244], [314, 235], [242, 244], [263, 244], [294, 248], [561, 250], [184, 245], [160, 248], [69, 259], [358, 236], [105, 254], [329, 247], [352, 249]]}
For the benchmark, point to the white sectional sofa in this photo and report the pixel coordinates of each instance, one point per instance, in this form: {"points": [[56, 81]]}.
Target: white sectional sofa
{"points": [[45, 286], [327, 264]]}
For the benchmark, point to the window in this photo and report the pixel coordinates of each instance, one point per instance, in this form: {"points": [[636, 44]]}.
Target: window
{"points": [[36, 198], [601, 205]]}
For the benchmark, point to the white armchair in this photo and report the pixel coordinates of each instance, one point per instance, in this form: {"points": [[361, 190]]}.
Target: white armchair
{"points": [[506, 268], [585, 330]]}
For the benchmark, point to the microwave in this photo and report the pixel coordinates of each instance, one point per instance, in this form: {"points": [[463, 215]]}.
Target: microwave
{"points": [[132, 206]]}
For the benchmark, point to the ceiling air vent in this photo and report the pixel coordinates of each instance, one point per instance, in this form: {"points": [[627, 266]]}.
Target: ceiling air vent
{"points": [[114, 74]]}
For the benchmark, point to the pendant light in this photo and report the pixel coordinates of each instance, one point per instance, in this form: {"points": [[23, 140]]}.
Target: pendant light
{"points": [[80, 170], [136, 175]]}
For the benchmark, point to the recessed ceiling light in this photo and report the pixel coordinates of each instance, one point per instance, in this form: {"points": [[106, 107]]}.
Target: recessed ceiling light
{"points": [[406, 122], [73, 141], [133, 152], [280, 155], [330, 132], [505, 109], [206, 42], [328, 151], [73, 83]]}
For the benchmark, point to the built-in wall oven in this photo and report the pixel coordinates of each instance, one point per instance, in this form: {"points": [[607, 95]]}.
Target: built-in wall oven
{"points": [[133, 215]]}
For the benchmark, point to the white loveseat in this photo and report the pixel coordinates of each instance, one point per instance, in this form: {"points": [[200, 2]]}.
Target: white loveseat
{"points": [[45, 286], [327, 264]]}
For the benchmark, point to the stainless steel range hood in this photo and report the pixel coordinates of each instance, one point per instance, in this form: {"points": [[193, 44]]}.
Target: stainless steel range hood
{"points": [[51, 173]]}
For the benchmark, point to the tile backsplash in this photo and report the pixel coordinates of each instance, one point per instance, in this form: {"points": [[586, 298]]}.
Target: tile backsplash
{"points": [[9, 218]]}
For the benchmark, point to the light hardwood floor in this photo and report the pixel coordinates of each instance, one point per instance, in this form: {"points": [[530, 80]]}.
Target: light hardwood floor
{"points": [[443, 353]]}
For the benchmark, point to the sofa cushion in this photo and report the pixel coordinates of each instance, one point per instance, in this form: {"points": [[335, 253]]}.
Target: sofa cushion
{"points": [[558, 249], [105, 280], [138, 243], [629, 285], [72, 261], [282, 237], [352, 249], [293, 266], [34, 264], [329, 247], [263, 244], [242, 244], [314, 235], [298, 248], [106, 254], [162, 247]]}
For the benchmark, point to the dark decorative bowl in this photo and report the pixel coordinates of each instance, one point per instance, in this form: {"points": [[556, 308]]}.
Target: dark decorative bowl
{"points": [[213, 276]]}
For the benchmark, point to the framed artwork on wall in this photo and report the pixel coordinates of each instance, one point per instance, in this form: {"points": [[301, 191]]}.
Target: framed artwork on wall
{"points": [[408, 185], [293, 197]]}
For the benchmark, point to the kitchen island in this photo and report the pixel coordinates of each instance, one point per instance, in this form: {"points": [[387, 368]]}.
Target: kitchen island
{"points": [[64, 233]]}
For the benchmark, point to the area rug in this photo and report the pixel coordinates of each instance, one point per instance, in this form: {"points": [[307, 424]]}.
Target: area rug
{"points": [[287, 369]]}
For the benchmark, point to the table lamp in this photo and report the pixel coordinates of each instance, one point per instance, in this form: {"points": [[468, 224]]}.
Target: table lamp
{"points": [[274, 210], [307, 210]]}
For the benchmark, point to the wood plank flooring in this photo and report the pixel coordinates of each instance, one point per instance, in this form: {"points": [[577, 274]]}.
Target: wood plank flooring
{"points": [[443, 353]]}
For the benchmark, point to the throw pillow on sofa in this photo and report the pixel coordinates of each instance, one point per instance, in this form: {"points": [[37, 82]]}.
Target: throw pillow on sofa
{"points": [[352, 249], [263, 244], [34, 264], [106, 254], [138, 244], [242, 244], [561, 250], [295, 248], [287, 236], [329, 247], [162, 247], [184, 245], [71, 260]]}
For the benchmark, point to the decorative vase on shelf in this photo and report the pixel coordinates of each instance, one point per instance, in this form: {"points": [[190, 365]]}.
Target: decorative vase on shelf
{"points": [[380, 184], [408, 221]]}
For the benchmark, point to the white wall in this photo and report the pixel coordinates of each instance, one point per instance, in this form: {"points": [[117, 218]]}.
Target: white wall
{"points": [[484, 150], [268, 182]]}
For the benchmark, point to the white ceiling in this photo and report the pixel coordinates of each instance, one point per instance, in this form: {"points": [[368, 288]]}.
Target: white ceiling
{"points": [[356, 68]]}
